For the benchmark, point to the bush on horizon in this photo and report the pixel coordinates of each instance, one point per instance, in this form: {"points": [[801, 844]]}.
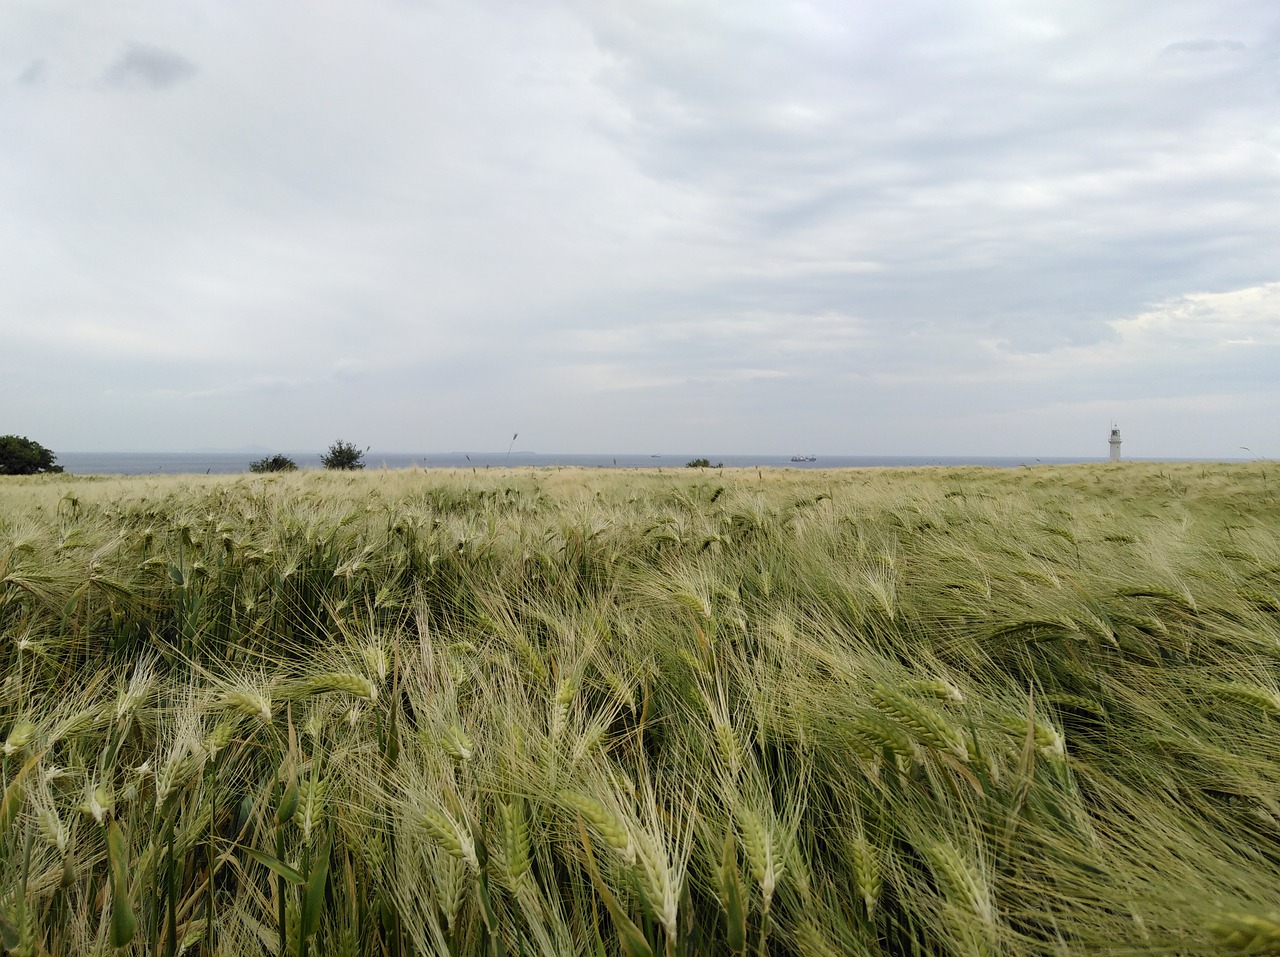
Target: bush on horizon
{"points": [[343, 455], [22, 456], [274, 463]]}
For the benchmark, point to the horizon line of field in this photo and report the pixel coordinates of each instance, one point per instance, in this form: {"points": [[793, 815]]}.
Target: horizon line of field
{"points": [[224, 462]]}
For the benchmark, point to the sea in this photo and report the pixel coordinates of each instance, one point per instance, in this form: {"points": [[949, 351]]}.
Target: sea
{"points": [[231, 463]]}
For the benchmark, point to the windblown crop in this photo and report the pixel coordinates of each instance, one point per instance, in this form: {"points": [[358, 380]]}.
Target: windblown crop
{"points": [[555, 713]]}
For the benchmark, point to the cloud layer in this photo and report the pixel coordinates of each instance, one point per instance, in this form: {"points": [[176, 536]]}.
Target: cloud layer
{"points": [[946, 229]]}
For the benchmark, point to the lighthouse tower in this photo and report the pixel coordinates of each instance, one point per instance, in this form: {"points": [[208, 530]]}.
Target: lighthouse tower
{"points": [[1115, 444]]}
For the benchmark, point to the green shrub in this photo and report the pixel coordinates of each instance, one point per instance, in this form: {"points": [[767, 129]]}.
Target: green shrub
{"points": [[343, 455], [21, 456], [274, 463]]}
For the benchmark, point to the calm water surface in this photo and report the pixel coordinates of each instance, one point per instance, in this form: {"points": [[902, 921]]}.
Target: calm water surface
{"points": [[230, 463]]}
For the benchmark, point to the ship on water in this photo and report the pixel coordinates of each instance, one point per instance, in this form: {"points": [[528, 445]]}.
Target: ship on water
{"points": [[804, 458]]}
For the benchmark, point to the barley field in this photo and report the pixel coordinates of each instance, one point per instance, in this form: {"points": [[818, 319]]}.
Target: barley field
{"points": [[591, 712]]}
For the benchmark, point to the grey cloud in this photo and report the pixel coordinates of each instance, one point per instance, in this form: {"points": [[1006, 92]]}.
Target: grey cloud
{"points": [[1020, 181], [149, 66], [35, 74], [1203, 46]]}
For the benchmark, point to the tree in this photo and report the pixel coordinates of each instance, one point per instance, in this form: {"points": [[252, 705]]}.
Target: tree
{"points": [[20, 456], [702, 464], [343, 455], [274, 463]]}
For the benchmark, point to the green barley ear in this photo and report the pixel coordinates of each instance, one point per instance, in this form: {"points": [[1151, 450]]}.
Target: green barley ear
{"points": [[340, 681], [963, 882], [813, 943], [290, 797], [1248, 933], [603, 822], [123, 923], [99, 802], [877, 736], [1047, 739], [451, 835], [867, 872], [20, 736], [457, 743], [565, 692], [765, 854], [755, 843], [1251, 696], [311, 801], [376, 658], [51, 826], [925, 725], [732, 897], [516, 844], [251, 703], [221, 735], [938, 688], [658, 884], [175, 773]]}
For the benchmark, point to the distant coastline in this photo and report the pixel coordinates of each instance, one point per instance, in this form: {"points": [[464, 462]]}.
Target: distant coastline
{"points": [[230, 463]]}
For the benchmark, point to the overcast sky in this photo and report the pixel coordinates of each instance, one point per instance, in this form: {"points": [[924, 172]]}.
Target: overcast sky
{"points": [[741, 226]]}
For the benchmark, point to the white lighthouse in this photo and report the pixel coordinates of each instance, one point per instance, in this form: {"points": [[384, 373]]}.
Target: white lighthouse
{"points": [[1115, 444]]}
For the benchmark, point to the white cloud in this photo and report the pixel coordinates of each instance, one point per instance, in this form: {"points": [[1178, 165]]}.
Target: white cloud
{"points": [[1196, 327], [771, 213], [1206, 321]]}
